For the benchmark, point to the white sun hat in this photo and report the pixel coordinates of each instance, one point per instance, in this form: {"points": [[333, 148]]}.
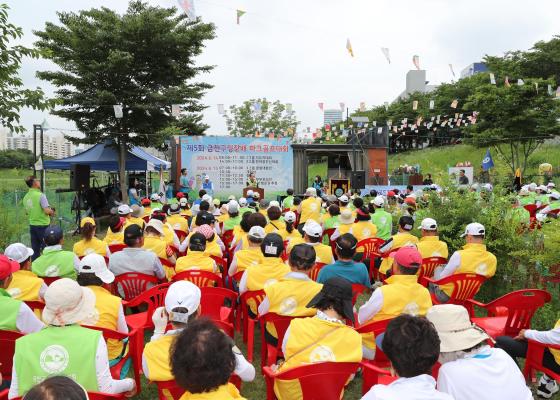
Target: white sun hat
{"points": [[67, 303]]}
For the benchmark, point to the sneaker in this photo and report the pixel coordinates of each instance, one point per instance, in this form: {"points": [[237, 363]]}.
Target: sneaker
{"points": [[547, 387]]}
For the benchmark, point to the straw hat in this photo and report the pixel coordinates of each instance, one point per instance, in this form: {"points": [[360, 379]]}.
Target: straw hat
{"points": [[454, 328], [346, 217], [67, 303]]}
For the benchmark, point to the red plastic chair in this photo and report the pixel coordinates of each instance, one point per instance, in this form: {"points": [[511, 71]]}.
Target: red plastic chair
{"points": [[8, 346], [377, 328], [269, 352], [168, 390], [533, 360], [199, 278], [181, 234], [315, 270], [532, 208], [49, 279], [509, 314], [152, 298], [222, 264], [132, 284], [373, 375], [114, 248], [4, 394], [135, 345], [370, 247], [166, 263], [236, 277], [465, 287], [428, 267], [226, 327], [553, 275], [214, 303], [320, 381], [35, 305], [96, 396], [243, 317]]}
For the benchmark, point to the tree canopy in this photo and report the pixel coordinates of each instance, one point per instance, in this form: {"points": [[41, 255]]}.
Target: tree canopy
{"points": [[260, 116]]}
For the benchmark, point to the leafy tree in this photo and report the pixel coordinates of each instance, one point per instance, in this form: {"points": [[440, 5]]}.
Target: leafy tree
{"points": [[273, 117], [13, 97], [144, 60], [20, 158]]}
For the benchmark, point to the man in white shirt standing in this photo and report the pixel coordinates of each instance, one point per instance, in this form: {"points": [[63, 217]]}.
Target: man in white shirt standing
{"points": [[412, 345], [470, 368]]}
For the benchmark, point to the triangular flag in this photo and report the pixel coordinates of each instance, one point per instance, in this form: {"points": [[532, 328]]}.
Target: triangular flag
{"points": [[349, 47], [452, 71], [321, 105], [385, 52], [506, 82], [362, 106], [342, 106], [257, 107], [188, 8], [492, 79], [416, 61], [454, 103], [240, 13], [432, 104], [415, 105], [487, 162], [520, 82], [39, 164]]}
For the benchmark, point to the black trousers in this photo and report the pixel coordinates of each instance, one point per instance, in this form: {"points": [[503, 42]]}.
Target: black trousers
{"points": [[518, 348]]}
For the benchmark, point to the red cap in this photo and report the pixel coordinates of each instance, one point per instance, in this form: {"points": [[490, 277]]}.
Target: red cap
{"points": [[390, 193], [180, 195], [407, 256], [7, 267], [146, 202], [410, 201]]}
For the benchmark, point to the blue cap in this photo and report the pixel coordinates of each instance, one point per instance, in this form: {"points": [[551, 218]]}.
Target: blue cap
{"points": [[53, 234]]}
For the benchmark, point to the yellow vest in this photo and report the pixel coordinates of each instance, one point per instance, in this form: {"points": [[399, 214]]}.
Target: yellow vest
{"points": [[280, 226], [289, 236], [294, 241], [195, 260], [364, 230], [401, 239], [93, 246], [156, 355], [156, 245], [323, 253], [106, 315], [310, 209], [344, 228], [178, 223], [327, 341], [241, 237], [401, 295], [556, 353], [25, 286], [224, 392], [168, 234], [431, 246], [269, 271], [213, 249], [147, 211], [114, 237], [135, 221], [186, 213], [246, 258]]}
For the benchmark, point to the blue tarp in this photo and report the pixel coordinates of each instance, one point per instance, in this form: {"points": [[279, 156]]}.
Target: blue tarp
{"points": [[104, 157]]}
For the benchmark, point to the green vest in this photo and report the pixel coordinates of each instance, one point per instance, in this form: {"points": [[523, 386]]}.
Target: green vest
{"points": [[68, 351], [55, 263], [384, 222], [543, 198], [520, 215], [243, 210], [554, 205], [10, 309], [231, 223], [288, 202], [32, 205], [526, 200], [156, 204]]}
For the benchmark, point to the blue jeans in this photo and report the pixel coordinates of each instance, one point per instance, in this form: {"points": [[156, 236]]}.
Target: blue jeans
{"points": [[37, 233]]}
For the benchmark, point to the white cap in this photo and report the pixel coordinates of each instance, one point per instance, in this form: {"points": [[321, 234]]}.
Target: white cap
{"points": [[344, 198], [95, 263], [206, 177], [274, 203], [428, 224], [207, 198], [243, 201], [311, 192], [233, 207], [543, 188], [554, 195], [156, 224], [154, 197], [474, 229], [124, 209], [312, 228], [183, 201], [231, 197], [532, 186], [182, 294], [290, 216], [257, 232], [379, 201], [250, 193], [524, 192], [18, 252], [550, 184]]}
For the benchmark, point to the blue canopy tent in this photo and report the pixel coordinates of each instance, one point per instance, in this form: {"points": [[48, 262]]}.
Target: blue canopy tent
{"points": [[104, 157]]}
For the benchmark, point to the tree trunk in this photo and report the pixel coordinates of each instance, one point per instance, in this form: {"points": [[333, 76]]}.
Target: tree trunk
{"points": [[122, 170]]}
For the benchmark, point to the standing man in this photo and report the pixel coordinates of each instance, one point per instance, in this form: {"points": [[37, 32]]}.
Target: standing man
{"points": [[381, 218], [39, 211], [184, 185], [208, 185]]}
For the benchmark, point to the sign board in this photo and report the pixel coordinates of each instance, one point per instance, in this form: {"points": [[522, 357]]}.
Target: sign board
{"points": [[228, 161], [359, 119]]}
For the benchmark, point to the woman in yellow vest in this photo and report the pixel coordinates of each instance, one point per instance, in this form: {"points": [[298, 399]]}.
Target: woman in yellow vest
{"points": [[94, 274], [324, 337], [313, 234], [291, 294], [89, 243], [275, 224], [169, 235], [243, 259], [153, 241], [310, 207], [401, 239], [177, 222], [196, 257], [346, 222], [253, 219], [185, 209], [115, 231], [25, 285], [289, 232], [147, 206], [214, 245], [136, 216], [363, 228]]}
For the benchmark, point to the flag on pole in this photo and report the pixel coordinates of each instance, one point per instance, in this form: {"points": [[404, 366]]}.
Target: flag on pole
{"points": [[188, 8], [342, 106], [454, 103], [492, 79], [349, 47], [487, 162], [321, 105], [506, 82], [416, 61], [240, 13], [415, 105], [452, 71], [39, 164], [162, 189], [385, 51]]}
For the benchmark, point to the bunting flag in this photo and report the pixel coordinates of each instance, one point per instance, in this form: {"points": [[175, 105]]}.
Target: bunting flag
{"points": [[452, 71], [432, 104], [520, 82], [321, 105], [386, 104], [549, 88], [416, 62], [175, 110], [349, 47], [289, 108], [506, 82], [362, 106], [257, 107], [492, 79], [385, 51], [342, 106], [415, 105], [221, 109], [240, 13], [188, 8], [117, 109], [454, 103]]}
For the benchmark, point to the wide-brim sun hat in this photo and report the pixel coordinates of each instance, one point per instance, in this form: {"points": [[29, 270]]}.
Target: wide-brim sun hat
{"points": [[346, 217], [67, 303]]}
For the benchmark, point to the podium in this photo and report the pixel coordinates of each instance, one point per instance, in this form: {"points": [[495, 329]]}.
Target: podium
{"points": [[260, 191]]}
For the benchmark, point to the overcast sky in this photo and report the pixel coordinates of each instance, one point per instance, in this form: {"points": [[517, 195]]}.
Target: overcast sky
{"points": [[294, 50]]}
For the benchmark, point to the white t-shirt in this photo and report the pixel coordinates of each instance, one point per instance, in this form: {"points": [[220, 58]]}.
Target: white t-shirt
{"points": [[489, 374], [422, 387]]}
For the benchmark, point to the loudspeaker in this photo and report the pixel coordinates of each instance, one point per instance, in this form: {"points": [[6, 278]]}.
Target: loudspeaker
{"points": [[79, 176], [358, 179]]}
